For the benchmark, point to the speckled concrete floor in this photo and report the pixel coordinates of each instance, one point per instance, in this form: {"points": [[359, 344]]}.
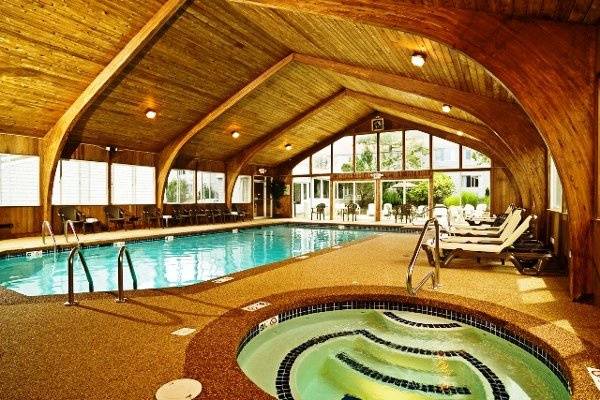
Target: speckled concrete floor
{"points": [[104, 350]]}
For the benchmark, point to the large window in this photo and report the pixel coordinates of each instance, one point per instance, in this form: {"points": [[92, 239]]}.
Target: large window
{"points": [[302, 168], [19, 180], [321, 161], [366, 153], [180, 186], [474, 159], [342, 155], [210, 187], [445, 154], [242, 191], [417, 150], [133, 184], [78, 182], [556, 190], [390, 151]]}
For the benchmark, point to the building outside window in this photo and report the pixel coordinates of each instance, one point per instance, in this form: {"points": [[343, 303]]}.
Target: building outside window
{"points": [[445, 154], [210, 187], [342, 155], [474, 159], [19, 180], [555, 186], [321, 161]]}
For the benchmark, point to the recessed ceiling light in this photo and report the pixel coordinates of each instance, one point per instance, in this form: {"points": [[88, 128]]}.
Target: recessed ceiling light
{"points": [[446, 108], [150, 114], [235, 134], [418, 59], [288, 147]]}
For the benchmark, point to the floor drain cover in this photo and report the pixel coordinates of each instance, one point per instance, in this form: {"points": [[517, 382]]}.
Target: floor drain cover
{"points": [[179, 389]]}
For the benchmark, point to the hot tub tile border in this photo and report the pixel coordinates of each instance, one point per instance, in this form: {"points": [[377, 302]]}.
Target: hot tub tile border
{"points": [[537, 351]]}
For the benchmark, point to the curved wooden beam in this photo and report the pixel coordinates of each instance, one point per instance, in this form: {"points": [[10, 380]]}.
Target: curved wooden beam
{"points": [[235, 164], [168, 155], [537, 61], [53, 142], [508, 121]]}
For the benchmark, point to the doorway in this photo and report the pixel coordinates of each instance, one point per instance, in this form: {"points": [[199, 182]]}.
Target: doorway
{"points": [[260, 198]]}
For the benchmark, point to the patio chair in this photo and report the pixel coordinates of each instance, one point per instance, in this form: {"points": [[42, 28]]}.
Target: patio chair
{"points": [[152, 213], [469, 210], [71, 213], [387, 210], [242, 214], [371, 209], [501, 251], [318, 210], [351, 210], [115, 216], [181, 215], [404, 211]]}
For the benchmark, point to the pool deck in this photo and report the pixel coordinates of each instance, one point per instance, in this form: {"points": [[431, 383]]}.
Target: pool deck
{"points": [[104, 350]]}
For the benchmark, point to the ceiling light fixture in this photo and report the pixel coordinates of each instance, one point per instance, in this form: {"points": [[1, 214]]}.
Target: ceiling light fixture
{"points": [[446, 108], [150, 114], [262, 171], [418, 59], [288, 147], [460, 133], [235, 134]]}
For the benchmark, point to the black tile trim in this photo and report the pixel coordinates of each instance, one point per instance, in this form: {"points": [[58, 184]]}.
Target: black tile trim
{"points": [[401, 320], [537, 351], [282, 382], [403, 383]]}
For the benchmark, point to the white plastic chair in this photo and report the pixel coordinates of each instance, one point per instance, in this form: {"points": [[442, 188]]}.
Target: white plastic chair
{"points": [[468, 210]]}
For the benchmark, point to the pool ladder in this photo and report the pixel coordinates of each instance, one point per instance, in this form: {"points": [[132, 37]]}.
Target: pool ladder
{"points": [[124, 254], [76, 251], [433, 275], [69, 224], [46, 227]]}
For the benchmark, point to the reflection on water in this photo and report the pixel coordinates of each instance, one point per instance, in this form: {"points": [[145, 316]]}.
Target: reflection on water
{"points": [[180, 262]]}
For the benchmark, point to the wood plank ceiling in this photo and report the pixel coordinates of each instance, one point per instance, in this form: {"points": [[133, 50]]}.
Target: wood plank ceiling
{"points": [[209, 51]]}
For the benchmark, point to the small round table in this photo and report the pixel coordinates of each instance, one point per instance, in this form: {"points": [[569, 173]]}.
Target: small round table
{"points": [[92, 223], [167, 218]]}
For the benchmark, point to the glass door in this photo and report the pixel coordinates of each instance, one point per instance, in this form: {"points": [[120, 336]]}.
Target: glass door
{"points": [[361, 194]]}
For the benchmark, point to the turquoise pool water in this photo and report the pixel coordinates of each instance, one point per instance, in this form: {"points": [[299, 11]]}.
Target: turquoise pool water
{"points": [[183, 261], [390, 355]]}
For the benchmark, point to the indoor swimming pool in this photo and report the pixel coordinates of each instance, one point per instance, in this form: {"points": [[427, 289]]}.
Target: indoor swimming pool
{"points": [[336, 352], [172, 261]]}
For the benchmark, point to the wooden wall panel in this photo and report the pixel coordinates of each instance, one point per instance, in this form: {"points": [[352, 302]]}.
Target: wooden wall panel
{"points": [[502, 191]]}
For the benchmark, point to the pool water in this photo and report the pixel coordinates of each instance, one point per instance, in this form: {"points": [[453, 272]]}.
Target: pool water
{"points": [[390, 355], [183, 261]]}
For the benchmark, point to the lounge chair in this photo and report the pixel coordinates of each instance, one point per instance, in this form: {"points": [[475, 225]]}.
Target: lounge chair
{"points": [[490, 238], [488, 231], [501, 251], [115, 216], [71, 213]]}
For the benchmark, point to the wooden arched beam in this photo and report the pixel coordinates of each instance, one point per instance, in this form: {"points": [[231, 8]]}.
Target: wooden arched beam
{"points": [[235, 164], [168, 155], [549, 68], [508, 121], [445, 122], [52, 144]]}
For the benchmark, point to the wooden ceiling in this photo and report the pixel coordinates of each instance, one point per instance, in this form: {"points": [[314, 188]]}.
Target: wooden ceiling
{"points": [[209, 51], [579, 11]]}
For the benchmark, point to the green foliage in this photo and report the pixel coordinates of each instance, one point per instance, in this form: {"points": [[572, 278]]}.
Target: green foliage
{"points": [[392, 196], [366, 161], [414, 156], [184, 189], [452, 201], [481, 160], [469, 198], [443, 187]]}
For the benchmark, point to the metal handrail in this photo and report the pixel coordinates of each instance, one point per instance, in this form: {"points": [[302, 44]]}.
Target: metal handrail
{"points": [[435, 274], [46, 224], [71, 286], [69, 223], [124, 252]]}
